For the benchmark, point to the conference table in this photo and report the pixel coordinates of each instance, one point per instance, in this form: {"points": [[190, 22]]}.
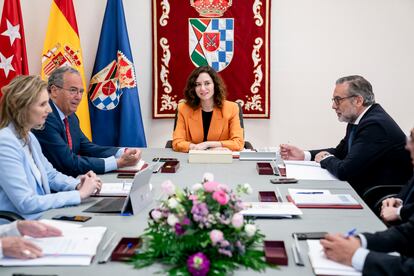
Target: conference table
{"points": [[312, 220]]}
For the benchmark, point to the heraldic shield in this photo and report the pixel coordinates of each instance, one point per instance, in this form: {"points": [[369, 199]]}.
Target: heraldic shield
{"points": [[105, 88], [211, 41]]}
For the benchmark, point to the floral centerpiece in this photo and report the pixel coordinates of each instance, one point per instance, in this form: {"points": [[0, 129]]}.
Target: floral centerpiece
{"points": [[201, 231]]}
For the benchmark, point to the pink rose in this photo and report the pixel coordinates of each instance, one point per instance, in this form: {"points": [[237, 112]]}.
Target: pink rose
{"points": [[156, 215], [237, 220], [221, 197], [216, 236], [168, 187], [211, 186]]}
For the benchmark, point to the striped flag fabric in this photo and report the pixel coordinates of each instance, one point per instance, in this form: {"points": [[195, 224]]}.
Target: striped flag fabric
{"points": [[62, 48], [13, 57], [113, 92]]}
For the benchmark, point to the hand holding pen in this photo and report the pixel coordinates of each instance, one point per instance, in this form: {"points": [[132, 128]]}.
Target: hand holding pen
{"points": [[340, 248]]}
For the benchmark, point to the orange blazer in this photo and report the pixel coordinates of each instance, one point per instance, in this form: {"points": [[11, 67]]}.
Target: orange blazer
{"points": [[224, 127]]}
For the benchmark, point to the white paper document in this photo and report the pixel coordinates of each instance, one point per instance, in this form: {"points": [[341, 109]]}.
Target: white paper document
{"points": [[307, 170], [271, 209], [320, 197], [322, 266], [75, 247], [135, 168], [115, 189]]}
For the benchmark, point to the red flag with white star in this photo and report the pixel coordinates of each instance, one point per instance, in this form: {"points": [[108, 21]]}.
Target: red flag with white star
{"points": [[13, 57]]}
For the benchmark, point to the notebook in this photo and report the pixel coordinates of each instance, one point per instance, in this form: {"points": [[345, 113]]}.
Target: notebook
{"points": [[323, 266], [138, 198]]}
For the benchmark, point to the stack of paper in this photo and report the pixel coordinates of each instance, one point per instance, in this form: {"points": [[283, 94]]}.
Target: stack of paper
{"points": [[309, 170], [115, 189], [133, 169], [322, 266], [210, 156], [306, 198], [271, 209], [77, 246]]}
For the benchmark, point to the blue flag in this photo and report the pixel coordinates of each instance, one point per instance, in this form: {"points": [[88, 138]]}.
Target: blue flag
{"points": [[113, 93]]}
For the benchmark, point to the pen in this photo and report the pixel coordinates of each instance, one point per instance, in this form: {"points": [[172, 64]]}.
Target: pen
{"points": [[279, 195], [127, 248], [105, 258], [108, 242], [296, 251], [309, 193], [275, 169], [350, 233]]}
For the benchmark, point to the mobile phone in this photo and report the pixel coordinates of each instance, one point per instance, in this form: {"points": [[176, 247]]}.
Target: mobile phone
{"points": [[72, 218], [310, 235], [163, 159], [126, 175], [283, 180]]}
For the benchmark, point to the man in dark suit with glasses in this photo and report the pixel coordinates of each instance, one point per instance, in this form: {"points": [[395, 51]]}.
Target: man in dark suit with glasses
{"points": [[372, 151]]}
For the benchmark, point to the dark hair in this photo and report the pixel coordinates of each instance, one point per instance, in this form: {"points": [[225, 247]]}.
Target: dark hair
{"points": [[358, 86], [219, 88]]}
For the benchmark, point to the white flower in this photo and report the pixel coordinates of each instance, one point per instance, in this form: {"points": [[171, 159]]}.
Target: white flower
{"points": [[247, 188], [250, 229], [208, 177], [196, 187], [172, 203], [172, 219], [168, 187]]}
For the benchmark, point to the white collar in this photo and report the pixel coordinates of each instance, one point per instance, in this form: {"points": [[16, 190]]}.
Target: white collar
{"points": [[360, 115]]}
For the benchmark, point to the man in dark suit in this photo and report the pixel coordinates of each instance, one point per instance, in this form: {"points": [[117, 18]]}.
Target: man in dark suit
{"points": [[63, 142], [372, 151], [368, 252], [399, 209]]}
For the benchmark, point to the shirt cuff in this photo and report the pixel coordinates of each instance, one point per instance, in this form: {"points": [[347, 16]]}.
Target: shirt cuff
{"points": [[326, 156], [399, 211], [9, 230], [358, 259], [119, 152], [110, 164], [308, 155], [363, 240]]}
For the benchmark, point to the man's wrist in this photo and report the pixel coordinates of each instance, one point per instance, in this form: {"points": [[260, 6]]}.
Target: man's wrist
{"points": [[325, 155]]}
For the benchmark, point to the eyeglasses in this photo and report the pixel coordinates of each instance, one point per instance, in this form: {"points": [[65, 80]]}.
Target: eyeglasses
{"points": [[338, 100], [73, 90]]}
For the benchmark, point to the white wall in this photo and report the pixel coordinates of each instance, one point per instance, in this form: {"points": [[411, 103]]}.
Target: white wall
{"points": [[313, 42]]}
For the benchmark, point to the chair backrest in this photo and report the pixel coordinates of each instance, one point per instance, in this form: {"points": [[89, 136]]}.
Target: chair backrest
{"points": [[374, 196], [247, 144]]}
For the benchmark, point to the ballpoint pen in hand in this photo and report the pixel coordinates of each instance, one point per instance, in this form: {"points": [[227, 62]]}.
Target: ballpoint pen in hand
{"points": [[350, 233]]}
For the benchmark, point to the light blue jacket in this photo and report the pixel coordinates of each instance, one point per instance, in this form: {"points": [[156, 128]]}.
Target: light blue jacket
{"points": [[20, 192]]}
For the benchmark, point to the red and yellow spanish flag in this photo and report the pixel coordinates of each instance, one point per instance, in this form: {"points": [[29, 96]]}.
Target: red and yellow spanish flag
{"points": [[62, 48]]}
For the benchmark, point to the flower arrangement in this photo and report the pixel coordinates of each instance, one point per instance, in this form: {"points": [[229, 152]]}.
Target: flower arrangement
{"points": [[200, 231]]}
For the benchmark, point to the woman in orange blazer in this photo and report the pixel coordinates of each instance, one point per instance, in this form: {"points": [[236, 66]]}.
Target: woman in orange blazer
{"points": [[206, 120]]}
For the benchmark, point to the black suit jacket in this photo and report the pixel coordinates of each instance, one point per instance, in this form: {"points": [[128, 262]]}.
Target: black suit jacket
{"points": [[84, 156], [398, 238], [407, 196], [377, 155]]}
